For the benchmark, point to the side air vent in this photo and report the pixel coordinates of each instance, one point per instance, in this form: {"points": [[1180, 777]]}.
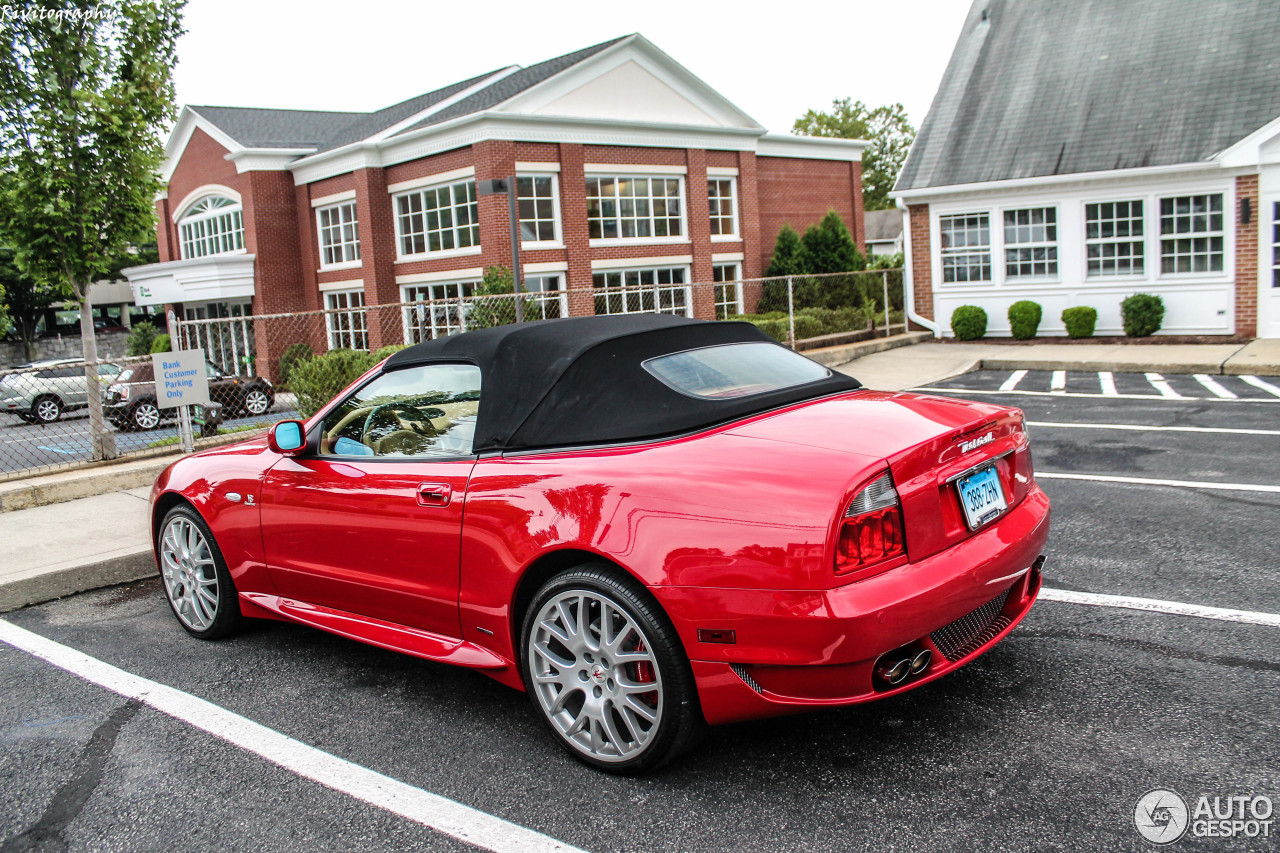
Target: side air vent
{"points": [[746, 677]]}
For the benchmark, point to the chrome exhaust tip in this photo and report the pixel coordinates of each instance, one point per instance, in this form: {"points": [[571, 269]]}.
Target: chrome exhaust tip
{"points": [[921, 662], [898, 672]]}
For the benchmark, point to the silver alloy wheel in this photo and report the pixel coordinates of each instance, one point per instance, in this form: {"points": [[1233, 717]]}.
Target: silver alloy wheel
{"points": [[190, 577], [256, 402], [47, 410], [595, 675], [146, 416]]}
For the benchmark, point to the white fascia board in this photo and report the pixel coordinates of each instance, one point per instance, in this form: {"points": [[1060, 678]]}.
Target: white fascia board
{"points": [[1250, 151], [987, 187], [646, 54], [443, 275], [651, 261], [345, 195], [266, 159], [339, 161], [811, 147], [188, 121], [447, 102]]}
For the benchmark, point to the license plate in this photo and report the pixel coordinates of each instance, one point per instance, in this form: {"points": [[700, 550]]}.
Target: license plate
{"points": [[981, 496]]}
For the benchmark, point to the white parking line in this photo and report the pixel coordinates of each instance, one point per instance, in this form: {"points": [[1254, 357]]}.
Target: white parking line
{"points": [[1214, 386], [1148, 397], [1154, 605], [432, 810], [1144, 428], [1013, 380], [1146, 481], [1058, 384], [1263, 384], [1162, 385], [1108, 382]]}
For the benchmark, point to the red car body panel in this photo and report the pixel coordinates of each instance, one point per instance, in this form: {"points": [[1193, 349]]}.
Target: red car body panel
{"points": [[731, 529]]}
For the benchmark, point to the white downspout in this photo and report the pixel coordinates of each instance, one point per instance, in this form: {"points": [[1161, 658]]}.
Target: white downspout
{"points": [[908, 278]]}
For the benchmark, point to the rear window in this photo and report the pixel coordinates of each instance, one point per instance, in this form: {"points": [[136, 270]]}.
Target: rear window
{"points": [[734, 370]]}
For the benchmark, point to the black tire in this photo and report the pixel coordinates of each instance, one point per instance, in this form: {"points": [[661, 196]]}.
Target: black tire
{"points": [[679, 724], [47, 409], [207, 623], [145, 415], [256, 401]]}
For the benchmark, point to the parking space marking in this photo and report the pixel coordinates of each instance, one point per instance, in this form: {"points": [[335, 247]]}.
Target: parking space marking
{"points": [[441, 814], [1147, 481], [1013, 380], [1262, 384], [1159, 383], [1155, 605], [1108, 382], [1214, 386], [1147, 397], [1144, 428], [1058, 384]]}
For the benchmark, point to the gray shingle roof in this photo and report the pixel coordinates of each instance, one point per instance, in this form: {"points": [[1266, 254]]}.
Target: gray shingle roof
{"points": [[1048, 87], [269, 128], [882, 225]]}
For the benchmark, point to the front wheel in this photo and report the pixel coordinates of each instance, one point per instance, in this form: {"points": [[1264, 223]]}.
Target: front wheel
{"points": [[47, 409], [196, 580], [257, 401], [145, 415], [606, 671]]}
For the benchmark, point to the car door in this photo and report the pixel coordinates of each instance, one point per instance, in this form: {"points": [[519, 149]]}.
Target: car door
{"points": [[369, 521]]}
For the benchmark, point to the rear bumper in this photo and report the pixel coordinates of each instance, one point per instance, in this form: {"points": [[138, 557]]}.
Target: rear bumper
{"points": [[797, 650]]}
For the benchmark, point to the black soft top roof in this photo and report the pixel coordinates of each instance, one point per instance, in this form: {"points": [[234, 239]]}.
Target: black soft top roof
{"points": [[579, 381]]}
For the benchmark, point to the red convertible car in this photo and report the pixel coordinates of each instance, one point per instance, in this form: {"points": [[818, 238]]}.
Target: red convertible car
{"points": [[648, 523]]}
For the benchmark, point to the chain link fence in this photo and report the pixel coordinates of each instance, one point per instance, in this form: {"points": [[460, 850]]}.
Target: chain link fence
{"points": [[270, 367]]}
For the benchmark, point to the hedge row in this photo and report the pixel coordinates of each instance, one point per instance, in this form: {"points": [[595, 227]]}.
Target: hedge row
{"points": [[1142, 314]]}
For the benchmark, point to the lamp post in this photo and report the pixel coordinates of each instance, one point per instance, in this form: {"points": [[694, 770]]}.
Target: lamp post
{"points": [[498, 186]]}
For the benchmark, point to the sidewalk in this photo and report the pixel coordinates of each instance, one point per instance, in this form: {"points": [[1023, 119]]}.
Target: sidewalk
{"points": [[78, 530]]}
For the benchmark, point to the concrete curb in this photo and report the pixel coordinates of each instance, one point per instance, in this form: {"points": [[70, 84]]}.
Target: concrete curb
{"points": [[843, 354], [69, 581], [1006, 363], [71, 485]]}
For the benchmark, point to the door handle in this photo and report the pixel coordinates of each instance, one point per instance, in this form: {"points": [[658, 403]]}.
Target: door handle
{"points": [[434, 494]]}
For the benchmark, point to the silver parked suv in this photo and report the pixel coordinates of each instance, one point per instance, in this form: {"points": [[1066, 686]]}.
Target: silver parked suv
{"points": [[41, 391]]}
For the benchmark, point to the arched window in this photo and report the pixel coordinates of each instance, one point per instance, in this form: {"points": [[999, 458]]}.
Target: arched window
{"points": [[212, 226]]}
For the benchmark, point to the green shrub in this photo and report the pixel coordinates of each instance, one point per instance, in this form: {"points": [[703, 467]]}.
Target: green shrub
{"points": [[1080, 321], [1024, 319], [786, 258], [293, 355], [774, 324], [141, 337], [387, 351], [810, 322], [318, 380], [1142, 315], [969, 322], [162, 343]]}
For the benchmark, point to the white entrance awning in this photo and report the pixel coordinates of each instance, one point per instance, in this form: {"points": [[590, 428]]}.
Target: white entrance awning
{"points": [[209, 279]]}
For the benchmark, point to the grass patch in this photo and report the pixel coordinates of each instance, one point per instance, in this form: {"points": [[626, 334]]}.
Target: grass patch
{"points": [[177, 439]]}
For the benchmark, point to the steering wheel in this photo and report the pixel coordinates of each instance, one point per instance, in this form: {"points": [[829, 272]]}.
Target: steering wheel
{"points": [[418, 420]]}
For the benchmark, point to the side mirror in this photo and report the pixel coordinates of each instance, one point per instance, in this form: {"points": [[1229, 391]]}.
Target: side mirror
{"points": [[287, 438]]}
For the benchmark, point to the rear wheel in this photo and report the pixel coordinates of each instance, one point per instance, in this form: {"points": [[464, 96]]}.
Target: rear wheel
{"points": [[145, 415], [47, 409], [257, 401], [606, 671], [196, 580]]}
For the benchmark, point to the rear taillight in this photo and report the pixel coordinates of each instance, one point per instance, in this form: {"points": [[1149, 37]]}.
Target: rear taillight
{"points": [[871, 531]]}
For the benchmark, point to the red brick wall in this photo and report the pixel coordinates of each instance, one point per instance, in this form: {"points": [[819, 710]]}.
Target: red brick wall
{"points": [[202, 162], [921, 260], [798, 192], [1247, 257]]}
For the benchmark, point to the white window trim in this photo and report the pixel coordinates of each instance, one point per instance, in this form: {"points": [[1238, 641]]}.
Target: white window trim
{"points": [[347, 284], [597, 242], [1227, 233], [993, 250], [537, 168], [431, 180], [735, 282], [722, 171], [651, 262], [355, 220], [444, 276], [1145, 199], [326, 200], [727, 257], [332, 313], [670, 265], [736, 236], [443, 253], [563, 291], [558, 242], [1056, 277], [639, 170], [410, 305], [186, 219]]}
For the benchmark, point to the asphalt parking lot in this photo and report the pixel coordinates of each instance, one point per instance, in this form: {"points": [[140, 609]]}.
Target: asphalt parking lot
{"points": [[1164, 489]]}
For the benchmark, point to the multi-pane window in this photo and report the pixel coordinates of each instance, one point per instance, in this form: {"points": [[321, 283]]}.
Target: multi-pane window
{"points": [[1031, 243], [1113, 238], [536, 197], [966, 247], [1191, 235], [438, 219], [1275, 244], [346, 321], [546, 299], [443, 311], [728, 290], [647, 291], [213, 226], [339, 237], [724, 209], [630, 208]]}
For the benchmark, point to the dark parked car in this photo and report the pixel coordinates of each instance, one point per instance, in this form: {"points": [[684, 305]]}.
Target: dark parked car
{"points": [[131, 401]]}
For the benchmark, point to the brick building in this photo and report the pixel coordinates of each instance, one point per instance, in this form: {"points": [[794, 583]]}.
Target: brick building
{"points": [[630, 170], [1080, 152]]}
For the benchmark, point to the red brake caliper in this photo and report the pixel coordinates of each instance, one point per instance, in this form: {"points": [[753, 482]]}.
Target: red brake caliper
{"points": [[644, 675]]}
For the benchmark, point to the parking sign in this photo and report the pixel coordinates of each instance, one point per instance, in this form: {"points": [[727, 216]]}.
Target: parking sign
{"points": [[181, 378]]}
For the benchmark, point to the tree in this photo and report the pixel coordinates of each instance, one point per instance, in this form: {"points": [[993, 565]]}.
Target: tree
{"points": [[787, 252], [86, 87], [886, 128], [25, 302], [829, 247]]}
